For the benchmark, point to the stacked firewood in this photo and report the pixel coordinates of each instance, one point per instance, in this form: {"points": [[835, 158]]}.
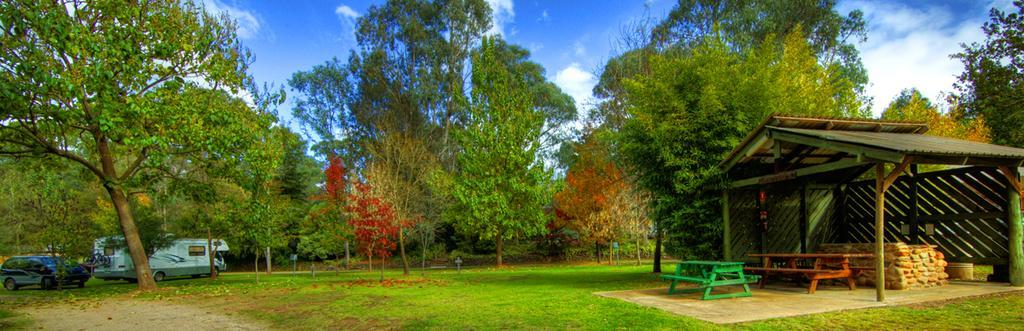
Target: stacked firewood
{"points": [[906, 266]]}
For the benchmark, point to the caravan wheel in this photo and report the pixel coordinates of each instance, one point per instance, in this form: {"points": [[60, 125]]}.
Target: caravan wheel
{"points": [[158, 276]]}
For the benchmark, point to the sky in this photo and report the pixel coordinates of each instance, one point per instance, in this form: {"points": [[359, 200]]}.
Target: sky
{"points": [[908, 44]]}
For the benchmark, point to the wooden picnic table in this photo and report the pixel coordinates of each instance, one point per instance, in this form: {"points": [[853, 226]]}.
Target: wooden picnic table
{"points": [[826, 266], [708, 275]]}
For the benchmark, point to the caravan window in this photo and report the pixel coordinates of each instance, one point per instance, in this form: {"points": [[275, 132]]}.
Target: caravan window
{"points": [[196, 250], [108, 251]]}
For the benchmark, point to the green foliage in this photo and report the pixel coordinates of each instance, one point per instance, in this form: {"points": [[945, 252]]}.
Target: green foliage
{"points": [[501, 188], [742, 26], [910, 105], [124, 90], [696, 105], [992, 84], [46, 209]]}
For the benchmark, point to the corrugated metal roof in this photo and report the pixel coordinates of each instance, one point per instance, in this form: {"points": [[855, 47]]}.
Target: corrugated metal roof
{"points": [[912, 144], [823, 123]]}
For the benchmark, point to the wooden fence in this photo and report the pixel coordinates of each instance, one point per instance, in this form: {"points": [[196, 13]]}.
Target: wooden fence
{"points": [[963, 211]]}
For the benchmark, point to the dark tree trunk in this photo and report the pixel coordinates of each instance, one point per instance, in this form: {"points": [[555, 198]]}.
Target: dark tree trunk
{"points": [[657, 248], [500, 242]]}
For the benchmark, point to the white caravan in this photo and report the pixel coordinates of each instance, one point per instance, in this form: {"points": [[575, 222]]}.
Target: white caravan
{"points": [[184, 257]]}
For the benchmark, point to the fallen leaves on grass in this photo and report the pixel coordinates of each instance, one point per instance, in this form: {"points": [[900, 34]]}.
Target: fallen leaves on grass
{"points": [[391, 283]]}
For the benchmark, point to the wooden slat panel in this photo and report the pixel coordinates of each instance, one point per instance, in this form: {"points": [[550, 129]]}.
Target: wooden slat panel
{"points": [[966, 206]]}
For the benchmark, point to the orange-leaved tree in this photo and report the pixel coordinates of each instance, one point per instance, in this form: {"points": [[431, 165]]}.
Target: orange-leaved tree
{"points": [[591, 186]]}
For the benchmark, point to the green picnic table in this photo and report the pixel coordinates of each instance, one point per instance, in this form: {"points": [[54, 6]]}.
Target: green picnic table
{"points": [[708, 275]]}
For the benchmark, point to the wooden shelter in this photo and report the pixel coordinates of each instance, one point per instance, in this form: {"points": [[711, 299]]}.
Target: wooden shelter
{"points": [[793, 185]]}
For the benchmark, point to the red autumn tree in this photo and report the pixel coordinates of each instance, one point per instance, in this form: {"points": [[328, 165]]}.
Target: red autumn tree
{"points": [[328, 216], [373, 222]]}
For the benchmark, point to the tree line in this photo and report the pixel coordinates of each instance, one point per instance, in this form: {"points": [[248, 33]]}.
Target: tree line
{"points": [[142, 121]]}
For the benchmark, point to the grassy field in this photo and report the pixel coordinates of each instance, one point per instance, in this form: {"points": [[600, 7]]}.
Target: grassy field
{"points": [[518, 297]]}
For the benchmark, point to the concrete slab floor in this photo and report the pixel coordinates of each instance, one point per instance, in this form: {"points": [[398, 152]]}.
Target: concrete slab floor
{"points": [[780, 300]]}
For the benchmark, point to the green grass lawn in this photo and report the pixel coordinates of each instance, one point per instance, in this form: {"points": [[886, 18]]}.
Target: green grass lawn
{"points": [[518, 297]]}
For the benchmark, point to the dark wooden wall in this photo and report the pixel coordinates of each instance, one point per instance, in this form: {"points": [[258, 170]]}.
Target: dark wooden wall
{"points": [[966, 206], [787, 227]]}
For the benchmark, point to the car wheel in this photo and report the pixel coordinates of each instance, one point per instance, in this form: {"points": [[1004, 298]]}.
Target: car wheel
{"points": [[81, 284], [47, 283], [158, 276], [10, 284]]}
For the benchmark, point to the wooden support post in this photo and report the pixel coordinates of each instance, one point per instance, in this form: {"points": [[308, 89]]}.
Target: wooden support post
{"points": [[1015, 226], [726, 231], [803, 218], [882, 183], [879, 232], [915, 234]]}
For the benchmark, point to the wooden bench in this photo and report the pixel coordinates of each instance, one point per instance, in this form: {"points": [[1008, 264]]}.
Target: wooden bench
{"points": [[788, 270], [710, 274], [826, 266]]}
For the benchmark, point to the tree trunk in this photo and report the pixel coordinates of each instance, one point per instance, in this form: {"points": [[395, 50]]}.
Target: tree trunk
{"points": [[637, 250], [499, 242], [269, 263], [401, 248], [347, 265], [131, 236], [657, 248], [423, 255], [597, 252], [383, 263], [256, 264], [212, 253], [611, 255], [369, 260]]}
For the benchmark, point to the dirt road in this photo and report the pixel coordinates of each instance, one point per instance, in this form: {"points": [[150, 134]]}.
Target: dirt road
{"points": [[128, 314]]}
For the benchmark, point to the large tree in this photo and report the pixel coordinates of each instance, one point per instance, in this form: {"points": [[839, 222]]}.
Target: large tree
{"points": [[992, 84], [695, 106], [120, 88], [743, 25], [501, 187]]}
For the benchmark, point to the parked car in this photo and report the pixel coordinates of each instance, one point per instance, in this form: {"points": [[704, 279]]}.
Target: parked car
{"points": [[20, 271]]}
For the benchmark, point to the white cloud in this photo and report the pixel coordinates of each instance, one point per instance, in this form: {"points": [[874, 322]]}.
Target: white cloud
{"points": [[248, 23], [348, 18], [344, 12], [579, 49], [576, 82], [535, 47], [544, 16], [911, 47], [502, 13]]}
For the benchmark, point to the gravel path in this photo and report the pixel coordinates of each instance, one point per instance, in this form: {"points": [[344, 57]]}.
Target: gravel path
{"points": [[127, 314]]}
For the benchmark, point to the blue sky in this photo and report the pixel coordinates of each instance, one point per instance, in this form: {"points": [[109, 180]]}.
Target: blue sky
{"points": [[909, 42]]}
